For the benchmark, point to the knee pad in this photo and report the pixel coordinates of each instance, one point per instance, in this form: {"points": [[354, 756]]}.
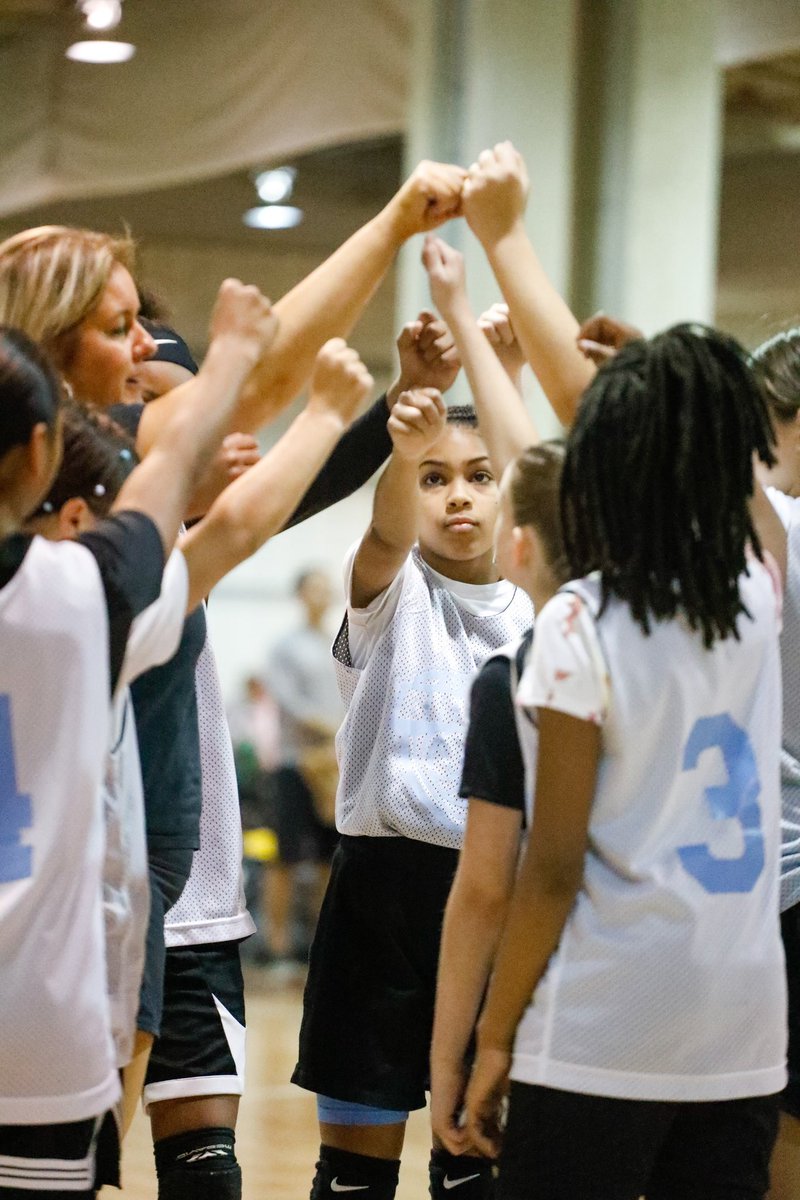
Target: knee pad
{"points": [[198, 1165], [342, 1171], [474, 1178]]}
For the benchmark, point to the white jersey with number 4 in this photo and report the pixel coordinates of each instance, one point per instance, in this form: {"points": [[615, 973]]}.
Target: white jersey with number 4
{"points": [[56, 1053], [668, 981]]}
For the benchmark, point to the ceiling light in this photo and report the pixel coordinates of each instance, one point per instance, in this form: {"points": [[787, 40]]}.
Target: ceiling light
{"points": [[99, 51], [101, 15], [273, 216], [275, 186]]}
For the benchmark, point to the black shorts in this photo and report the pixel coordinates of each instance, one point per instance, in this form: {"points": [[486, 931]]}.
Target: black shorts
{"points": [[566, 1146], [70, 1160], [302, 837], [200, 1051], [368, 1004], [790, 932], [169, 870]]}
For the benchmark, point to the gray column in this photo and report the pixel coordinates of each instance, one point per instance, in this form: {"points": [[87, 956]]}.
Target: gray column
{"points": [[649, 161]]}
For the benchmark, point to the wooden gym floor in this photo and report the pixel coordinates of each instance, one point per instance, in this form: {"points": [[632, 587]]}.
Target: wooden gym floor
{"points": [[277, 1136]]}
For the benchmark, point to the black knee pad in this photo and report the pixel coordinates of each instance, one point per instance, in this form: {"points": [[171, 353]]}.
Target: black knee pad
{"points": [[342, 1171], [198, 1165], [460, 1177]]}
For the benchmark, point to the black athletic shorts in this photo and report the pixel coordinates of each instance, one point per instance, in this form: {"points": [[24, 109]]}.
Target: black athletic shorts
{"points": [[302, 837], [63, 1162], [368, 1004], [200, 1051], [790, 932], [169, 870], [566, 1146]]}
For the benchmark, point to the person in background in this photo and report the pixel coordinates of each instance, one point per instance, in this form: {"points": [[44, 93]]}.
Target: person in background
{"points": [[303, 682]]}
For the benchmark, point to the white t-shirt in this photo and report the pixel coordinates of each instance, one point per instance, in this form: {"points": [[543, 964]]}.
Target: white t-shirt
{"points": [[405, 664], [153, 639], [788, 509], [668, 981]]}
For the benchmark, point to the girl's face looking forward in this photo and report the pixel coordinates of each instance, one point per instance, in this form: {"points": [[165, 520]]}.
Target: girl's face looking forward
{"points": [[458, 506], [109, 344]]}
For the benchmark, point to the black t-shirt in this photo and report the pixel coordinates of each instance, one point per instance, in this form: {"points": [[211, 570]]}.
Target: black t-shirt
{"points": [[130, 557], [493, 765]]}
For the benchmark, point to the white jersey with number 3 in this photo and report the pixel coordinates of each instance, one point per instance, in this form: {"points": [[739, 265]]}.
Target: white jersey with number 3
{"points": [[56, 1053], [668, 981]]}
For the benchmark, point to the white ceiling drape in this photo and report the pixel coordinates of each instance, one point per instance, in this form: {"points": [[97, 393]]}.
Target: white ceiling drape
{"points": [[216, 85]]}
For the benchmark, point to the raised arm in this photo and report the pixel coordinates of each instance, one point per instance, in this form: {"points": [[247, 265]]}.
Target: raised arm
{"points": [[242, 328], [506, 426], [330, 300], [428, 358], [255, 506], [417, 420], [495, 196]]}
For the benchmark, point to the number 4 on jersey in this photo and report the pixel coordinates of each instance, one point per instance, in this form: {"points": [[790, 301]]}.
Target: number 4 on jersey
{"points": [[16, 860]]}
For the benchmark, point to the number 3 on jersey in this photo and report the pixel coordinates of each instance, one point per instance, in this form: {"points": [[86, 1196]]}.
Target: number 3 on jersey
{"points": [[736, 799], [16, 860]]}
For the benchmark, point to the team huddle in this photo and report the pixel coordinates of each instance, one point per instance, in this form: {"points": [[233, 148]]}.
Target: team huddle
{"points": [[565, 839]]}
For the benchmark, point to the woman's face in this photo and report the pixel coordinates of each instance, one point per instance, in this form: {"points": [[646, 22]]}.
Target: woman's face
{"points": [[109, 344]]}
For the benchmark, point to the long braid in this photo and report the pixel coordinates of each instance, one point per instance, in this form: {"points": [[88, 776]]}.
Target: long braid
{"points": [[658, 478]]}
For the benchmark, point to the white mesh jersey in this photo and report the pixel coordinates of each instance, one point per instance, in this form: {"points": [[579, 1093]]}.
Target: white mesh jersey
{"points": [[668, 981], [212, 906], [56, 1052], [401, 744], [153, 639], [788, 509]]}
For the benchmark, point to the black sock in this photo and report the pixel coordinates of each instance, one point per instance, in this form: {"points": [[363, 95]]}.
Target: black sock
{"points": [[342, 1171], [469, 1178], [198, 1165]]}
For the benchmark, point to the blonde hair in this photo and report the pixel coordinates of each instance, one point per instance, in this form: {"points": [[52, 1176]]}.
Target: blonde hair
{"points": [[52, 277]]}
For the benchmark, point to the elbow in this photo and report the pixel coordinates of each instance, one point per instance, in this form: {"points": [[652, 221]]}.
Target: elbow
{"points": [[558, 878]]}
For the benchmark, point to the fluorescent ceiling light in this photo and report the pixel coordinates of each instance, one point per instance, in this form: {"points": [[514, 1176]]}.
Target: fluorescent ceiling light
{"points": [[273, 216], [101, 15], [98, 51], [276, 185]]}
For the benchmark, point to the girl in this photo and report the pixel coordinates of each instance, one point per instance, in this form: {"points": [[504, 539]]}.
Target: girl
{"points": [[776, 365], [58, 1069], [497, 782], [425, 607], [641, 967]]}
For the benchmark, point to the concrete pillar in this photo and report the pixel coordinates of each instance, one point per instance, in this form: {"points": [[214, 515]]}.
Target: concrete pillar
{"points": [[648, 161]]}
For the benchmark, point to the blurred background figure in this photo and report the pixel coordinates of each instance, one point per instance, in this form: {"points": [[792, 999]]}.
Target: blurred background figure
{"points": [[255, 732], [301, 678]]}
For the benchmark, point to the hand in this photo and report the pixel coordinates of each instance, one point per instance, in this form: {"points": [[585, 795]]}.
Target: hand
{"points": [[428, 198], [417, 421], [340, 381], [446, 276], [495, 193], [486, 1093], [448, 1085], [496, 324], [241, 312], [239, 452], [601, 337], [428, 357]]}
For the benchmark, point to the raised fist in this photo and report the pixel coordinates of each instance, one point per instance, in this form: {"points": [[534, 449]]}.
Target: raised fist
{"points": [[495, 193], [428, 198], [242, 312], [340, 382], [417, 421]]}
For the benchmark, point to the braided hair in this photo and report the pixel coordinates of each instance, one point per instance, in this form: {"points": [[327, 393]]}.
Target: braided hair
{"points": [[659, 474]]}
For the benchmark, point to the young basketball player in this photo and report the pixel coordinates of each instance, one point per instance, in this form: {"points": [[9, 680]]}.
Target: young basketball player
{"points": [[425, 608], [640, 976]]}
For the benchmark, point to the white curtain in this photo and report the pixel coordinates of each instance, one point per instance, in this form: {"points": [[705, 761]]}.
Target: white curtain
{"points": [[216, 85]]}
